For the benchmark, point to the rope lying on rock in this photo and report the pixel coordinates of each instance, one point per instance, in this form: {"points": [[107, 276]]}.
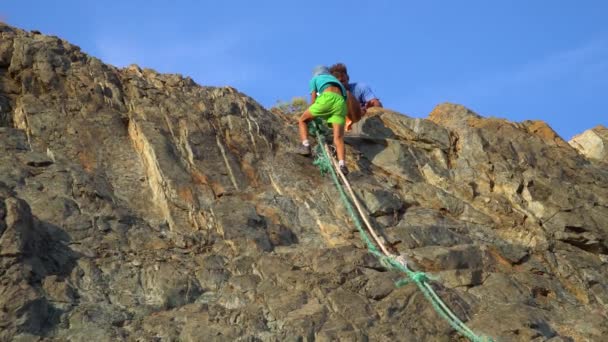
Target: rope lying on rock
{"points": [[326, 164]]}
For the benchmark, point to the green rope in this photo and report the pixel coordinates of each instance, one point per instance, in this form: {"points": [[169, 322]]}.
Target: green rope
{"points": [[417, 277], [323, 164], [317, 126], [421, 279]]}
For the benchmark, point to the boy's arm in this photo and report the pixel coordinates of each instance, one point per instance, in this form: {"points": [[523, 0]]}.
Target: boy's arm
{"points": [[369, 97], [373, 103], [313, 96], [354, 108]]}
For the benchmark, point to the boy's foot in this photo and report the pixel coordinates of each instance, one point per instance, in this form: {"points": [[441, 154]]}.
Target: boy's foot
{"points": [[303, 150], [344, 169]]}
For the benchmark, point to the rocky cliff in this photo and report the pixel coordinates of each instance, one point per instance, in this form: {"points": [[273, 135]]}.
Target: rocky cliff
{"points": [[143, 207], [593, 143]]}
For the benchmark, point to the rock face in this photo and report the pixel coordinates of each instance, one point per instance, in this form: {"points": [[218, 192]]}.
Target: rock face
{"points": [[142, 207], [592, 143]]}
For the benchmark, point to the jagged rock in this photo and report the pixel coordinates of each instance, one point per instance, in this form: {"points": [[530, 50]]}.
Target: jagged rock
{"points": [[422, 227], [168, 287], [18, 232], [141, 206], [592, 143], [380, 202]]}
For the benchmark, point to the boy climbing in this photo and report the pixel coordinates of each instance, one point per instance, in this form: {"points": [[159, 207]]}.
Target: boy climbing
{"points": [[361, 92], [328, 97]]}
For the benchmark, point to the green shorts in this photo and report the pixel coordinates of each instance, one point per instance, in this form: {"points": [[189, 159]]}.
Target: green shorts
{"points": [[331, 107]]}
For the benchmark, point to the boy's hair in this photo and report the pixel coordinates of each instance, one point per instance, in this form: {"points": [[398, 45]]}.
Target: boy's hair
{"points": [[338, 68]]}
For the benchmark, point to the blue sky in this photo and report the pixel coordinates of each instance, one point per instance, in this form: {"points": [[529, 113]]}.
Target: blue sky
{"points": [[519, 60]]}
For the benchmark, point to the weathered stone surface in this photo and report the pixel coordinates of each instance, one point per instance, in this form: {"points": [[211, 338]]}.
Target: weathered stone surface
{"points": [[592, 143], [18, 231], [380, 202], [422, 227], [138, 206], [168, 287]]}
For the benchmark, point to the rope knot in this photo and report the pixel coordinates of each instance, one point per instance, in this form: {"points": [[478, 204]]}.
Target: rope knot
{"points": [[416, 277], [419, 277]]}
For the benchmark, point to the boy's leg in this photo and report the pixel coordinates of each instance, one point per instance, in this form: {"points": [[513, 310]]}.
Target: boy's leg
{"points": [[354, 113], [339, 143], [349, 124], [302, 125], [339, 140], [304, 148]]}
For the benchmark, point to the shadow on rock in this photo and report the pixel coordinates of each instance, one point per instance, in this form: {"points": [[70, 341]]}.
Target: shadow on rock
{"points": [[36, 263]]}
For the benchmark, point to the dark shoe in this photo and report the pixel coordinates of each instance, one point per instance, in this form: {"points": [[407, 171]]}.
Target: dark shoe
{"points": [[303, 150], [344, 170]]}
